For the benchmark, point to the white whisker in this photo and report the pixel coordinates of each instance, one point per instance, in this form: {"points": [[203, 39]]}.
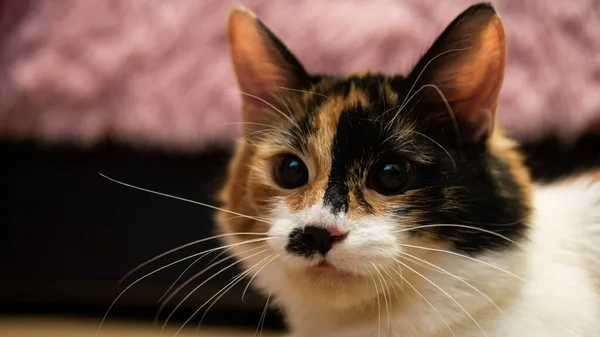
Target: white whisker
{"points": [[195, 261], [236, 283], [439, 145], [450, 111], [185, 246], [385, 298], [253, 123], [252, 279], [261, 322], [195, 276], [233, 282], [428, 63], [492, 302], [222, 292], [378, 306], [204, 282], [184, 199], [426, 301], [463, 226], [446, 294], [382, 93], [306, 92], [183, 273], [162, 268], [385, 270], [289, 118], [465, 257]]}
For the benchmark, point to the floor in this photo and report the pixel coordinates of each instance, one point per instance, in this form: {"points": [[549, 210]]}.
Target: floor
{"points": [[61, 327]]}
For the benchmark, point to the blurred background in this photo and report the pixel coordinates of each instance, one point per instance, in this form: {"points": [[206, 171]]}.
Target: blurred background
{"points": [[143, 91]]}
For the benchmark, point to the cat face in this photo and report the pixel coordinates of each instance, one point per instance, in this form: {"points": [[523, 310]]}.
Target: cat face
{"points": [[346, 180]]}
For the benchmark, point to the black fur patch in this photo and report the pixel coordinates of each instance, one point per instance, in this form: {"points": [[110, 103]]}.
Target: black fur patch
{"points": [[358, 138], [485, 196]]}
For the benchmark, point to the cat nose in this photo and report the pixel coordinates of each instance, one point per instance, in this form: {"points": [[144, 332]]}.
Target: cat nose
{"points": [[305, 241]]}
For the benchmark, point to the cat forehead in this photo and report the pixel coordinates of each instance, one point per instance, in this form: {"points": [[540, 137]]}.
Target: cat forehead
{"points": [[364, 89], [341, 116]]}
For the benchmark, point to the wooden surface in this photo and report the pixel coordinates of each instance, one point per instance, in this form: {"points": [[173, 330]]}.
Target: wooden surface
{"points": [[61, 327]]}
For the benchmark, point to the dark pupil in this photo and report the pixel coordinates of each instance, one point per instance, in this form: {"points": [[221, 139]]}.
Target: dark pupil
{"points": [[291, 173], [392, 177]]}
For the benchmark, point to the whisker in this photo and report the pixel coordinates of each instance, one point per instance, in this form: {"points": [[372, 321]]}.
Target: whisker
{"points": [[162, 268], [466, 257], [496, 224], [401, 138], [261, 322], [253, 123], [234, 281], [446, 103], [424, 266], [378, 306], [223, 291], [191, 244], [446, 294], [206, 281], [428, 63], [140, 266], [306, 92], [237, 279], [289, 118], [237, 217], [438, 144], [247, 137], [183, 273], [195, 276], [388, 110], [426, 301], [184, 199], [284, 103], [385, 270], [252, 279], [492, 302], [463, 226], [450, 111], [195, 261], [385, 299], [382, 93]]}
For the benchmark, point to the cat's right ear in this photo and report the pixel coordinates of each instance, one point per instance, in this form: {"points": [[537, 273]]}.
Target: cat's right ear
{"points": [[264, 67]]}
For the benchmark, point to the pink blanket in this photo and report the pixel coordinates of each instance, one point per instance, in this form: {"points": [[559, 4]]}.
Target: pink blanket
{"points": [[157, 72]]}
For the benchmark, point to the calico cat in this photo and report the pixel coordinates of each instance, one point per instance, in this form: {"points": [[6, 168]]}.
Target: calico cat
{"points": [[387, 205]]}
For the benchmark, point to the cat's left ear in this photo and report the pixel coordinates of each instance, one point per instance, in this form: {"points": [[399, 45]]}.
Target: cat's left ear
{"points": [[466, 63], [263, 65]]}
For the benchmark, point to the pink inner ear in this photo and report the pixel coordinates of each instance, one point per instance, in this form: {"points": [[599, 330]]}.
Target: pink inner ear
{"points": [[472, 84], [260, 79]]}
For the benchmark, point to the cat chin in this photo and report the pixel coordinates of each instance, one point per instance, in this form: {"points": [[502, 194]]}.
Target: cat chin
{"points": [[329, 288], [326, 288]]}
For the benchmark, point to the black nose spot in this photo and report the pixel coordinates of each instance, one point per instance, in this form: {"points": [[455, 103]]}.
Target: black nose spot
{"points": [[308, 240]]}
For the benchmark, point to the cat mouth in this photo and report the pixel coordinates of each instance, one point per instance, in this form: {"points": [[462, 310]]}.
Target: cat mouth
{"points": [[326, 268], [325, 265]]}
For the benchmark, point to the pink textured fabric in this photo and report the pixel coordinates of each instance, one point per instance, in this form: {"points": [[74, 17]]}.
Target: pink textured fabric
{"points": [[158, 72]]}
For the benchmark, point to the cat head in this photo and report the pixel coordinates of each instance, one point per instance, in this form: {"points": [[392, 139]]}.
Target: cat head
{"points": [[343, 179]]}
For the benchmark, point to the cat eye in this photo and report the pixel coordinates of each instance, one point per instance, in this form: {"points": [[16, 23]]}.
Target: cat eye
{"points": [[289, 172], [390, 177]]}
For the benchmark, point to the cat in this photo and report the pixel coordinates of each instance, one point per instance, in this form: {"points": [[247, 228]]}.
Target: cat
{"points": [[376, 205]]}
